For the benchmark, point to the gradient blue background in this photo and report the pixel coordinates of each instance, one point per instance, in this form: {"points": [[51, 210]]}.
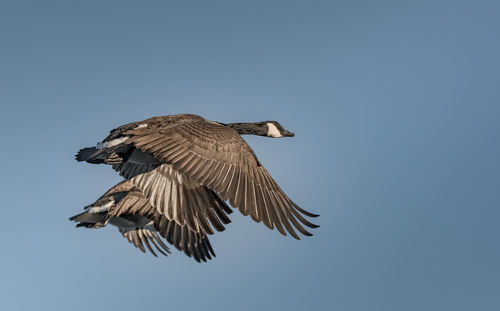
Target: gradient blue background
{"points": [[396, 108]]}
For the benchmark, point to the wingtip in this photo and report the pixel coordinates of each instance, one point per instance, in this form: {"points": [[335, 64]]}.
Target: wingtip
{"points": [[314, 226], [308, 214]]}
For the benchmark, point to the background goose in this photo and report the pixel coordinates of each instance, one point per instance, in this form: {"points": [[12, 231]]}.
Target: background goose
{"points": [[126, 207], [185, 164]]}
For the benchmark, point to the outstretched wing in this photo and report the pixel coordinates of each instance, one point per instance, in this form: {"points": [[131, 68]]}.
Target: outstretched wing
{"points": [[193, 242], [216, 156], [145, 236], [181, 199], [126, 207]]}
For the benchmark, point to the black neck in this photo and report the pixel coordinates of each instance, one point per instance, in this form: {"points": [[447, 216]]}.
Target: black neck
{"points": [[257, 128]]}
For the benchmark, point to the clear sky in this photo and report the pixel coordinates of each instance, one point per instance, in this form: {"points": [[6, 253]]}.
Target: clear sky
{"points": [[395, 106]]}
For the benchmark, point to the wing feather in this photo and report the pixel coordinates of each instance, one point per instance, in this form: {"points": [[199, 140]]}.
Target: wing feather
{"points": [[194, 153], [141, 223]]}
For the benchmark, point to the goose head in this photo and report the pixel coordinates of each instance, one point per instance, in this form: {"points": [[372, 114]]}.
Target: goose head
{"points": [[264, 128], [275, 130]]}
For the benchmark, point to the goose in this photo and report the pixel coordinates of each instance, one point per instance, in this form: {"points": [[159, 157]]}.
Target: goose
{"points": [[164, 157], [125, 206]]}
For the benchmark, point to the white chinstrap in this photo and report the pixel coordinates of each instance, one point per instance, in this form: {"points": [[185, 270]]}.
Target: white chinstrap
{"points": [[273, 130]]}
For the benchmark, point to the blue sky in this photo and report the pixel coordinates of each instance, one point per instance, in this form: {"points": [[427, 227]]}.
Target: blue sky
{"points": [[395, 106]]}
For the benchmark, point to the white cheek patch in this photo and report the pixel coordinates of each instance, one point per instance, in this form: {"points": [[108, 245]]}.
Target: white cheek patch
{"points": [[273, 130], [112, 143], [101, 208], [140, 126]]}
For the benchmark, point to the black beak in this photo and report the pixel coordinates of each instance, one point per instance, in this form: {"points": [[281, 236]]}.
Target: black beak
{"points": [[288, 134]]}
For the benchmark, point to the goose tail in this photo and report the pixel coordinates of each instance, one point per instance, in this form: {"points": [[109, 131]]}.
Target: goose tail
{"points": [[85, 154], [97, 156]]}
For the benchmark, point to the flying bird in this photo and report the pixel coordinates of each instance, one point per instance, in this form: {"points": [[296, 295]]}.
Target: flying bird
{"points": [[179, 171]]}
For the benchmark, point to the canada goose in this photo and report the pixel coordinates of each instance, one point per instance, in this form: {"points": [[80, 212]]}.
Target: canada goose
{"points": [[163, 156], [126, 207]]}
